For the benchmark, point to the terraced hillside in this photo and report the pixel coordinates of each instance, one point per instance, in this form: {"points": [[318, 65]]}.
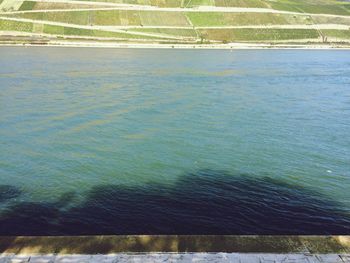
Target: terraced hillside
{"points": [[176, 21]]}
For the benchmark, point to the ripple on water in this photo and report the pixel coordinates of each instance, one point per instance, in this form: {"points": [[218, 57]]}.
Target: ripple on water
{"points": [[141, 137]]}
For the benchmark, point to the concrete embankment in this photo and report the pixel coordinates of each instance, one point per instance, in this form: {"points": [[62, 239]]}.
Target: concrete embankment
{"points": [[181, 258], [175, 249]]}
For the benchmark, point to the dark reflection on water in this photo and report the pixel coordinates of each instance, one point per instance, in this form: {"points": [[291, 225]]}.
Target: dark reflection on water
{"points": [[206, 202], [8, 192]]}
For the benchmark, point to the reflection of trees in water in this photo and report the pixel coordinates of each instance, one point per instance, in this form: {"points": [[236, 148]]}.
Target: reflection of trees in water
{"points": [[8, 192], [206, 202]]}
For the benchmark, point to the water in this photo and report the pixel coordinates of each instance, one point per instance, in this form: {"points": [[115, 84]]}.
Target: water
{"points": [[107, 141]]}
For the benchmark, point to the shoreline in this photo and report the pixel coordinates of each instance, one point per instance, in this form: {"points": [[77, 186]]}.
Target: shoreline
{"points": [[230, 46], [65, 245], [180, 258]]}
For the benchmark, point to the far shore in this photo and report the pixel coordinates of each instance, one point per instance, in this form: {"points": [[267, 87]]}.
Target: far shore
{"points": [[232, 46]]}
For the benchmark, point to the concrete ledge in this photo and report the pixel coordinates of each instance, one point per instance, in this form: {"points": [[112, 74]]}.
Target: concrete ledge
{"points": [[182, 258], [64, 245]]}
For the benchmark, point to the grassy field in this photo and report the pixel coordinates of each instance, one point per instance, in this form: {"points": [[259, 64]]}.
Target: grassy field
{"points": [[7, 25], [182, 24], [70, 31], [256, 35], [337, 34], [149, 18], [186, 33], [331, 20], [32, 5], [160, 3], [112, 17], [314, 7], [242, 19], [241, 3], [303, 6], [27, 5], [179, 19]]}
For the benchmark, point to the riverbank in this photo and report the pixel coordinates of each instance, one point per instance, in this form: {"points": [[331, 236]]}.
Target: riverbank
{"points": [[169, 248], [179, 46], [183, 258], [91, 245], [177, 24]]}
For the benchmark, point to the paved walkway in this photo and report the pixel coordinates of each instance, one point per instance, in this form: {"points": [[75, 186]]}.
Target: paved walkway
{"points": [[181, 258]]}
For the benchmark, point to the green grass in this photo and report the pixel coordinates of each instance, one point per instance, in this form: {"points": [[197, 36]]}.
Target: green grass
{"points": [[111, 17], [313, 7], [232, 35], [337, 34], [347, 7], [77, 17], [114, 17], [191, 3], [240, 19], [331, 20], [187, 19], [163, 3], [302, 6], [27, 5], [152, 18], [207, 19], [241, 3], [32, 5], [7, 25], [71, 31], [54, 30], [160, 3], [186, 33]]}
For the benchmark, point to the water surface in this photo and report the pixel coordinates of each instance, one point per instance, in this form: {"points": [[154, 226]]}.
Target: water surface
{"points": [[123, 141]]}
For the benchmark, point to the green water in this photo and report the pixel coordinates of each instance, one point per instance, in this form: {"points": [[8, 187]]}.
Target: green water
{"points": [[73, 119]]}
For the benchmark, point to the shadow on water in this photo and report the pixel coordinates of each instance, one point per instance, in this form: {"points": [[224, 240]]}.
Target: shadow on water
{"points": [[8, 192], [206, 202]]}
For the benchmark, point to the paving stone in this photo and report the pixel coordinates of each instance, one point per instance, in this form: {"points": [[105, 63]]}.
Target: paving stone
{"points": [[73, 259], [42, 259], [19, 259], [5, 259], [103, 259], [296, 258], [275, 258], [244, 258], [345, 258], [329, 258], [180, 258], [205, 257], [170, 258]]}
